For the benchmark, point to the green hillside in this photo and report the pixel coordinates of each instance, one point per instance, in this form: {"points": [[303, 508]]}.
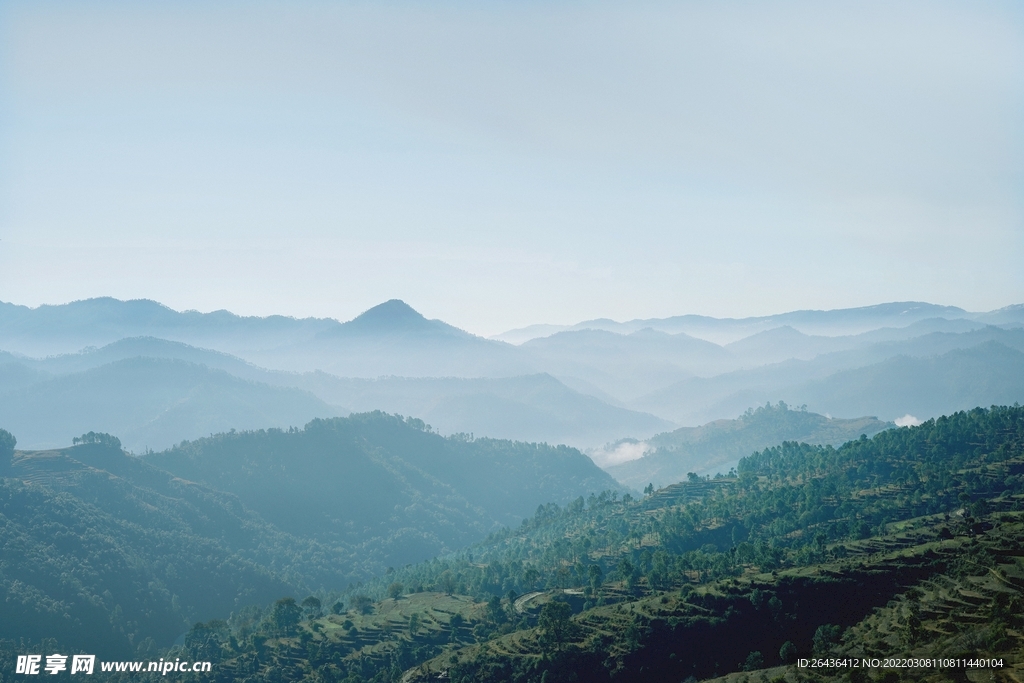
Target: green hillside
{"points": [[710, 577], [718, 446], [121, 554], [104, 551], [388, 487], [926, 589], [906, 595], [908, 543]]}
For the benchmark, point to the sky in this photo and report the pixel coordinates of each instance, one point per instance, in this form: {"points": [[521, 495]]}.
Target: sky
{"points": [[498, 164]]}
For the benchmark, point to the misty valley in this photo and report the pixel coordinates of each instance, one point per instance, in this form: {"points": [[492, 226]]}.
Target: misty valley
{"points": [[393, 499]]}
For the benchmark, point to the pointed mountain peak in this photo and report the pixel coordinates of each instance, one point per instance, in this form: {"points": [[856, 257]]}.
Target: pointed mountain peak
{"points": [[395, 317], [390, 314]]}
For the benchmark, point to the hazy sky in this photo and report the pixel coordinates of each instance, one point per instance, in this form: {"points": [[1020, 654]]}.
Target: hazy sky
{"points": [[497, 164]]}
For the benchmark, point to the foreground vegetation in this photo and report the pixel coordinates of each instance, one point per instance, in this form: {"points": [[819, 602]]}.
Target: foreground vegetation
{"points": [[904, 544]]}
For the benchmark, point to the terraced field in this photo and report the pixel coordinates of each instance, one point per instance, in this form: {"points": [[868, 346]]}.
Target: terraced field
{"points": [[916, 592], [423, 622]]}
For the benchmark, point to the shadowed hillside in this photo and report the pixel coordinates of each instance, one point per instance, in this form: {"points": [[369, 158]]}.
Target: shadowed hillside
{"points": [[120, 553], [377, 476], [102, 550]]}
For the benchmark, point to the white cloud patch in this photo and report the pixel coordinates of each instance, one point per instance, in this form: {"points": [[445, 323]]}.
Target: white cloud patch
{"points": [[907, 420], [618, 453]]}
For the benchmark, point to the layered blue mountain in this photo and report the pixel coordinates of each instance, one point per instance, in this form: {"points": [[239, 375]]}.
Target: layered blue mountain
{"points": [[108, 364], [922, 376], [67, 328], [836, 322], [394, 339], [535, 407], [153, 393], [150, 403]]}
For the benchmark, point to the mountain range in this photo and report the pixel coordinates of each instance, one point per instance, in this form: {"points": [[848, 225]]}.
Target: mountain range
{"points": [[836, 322], [155, 376]]}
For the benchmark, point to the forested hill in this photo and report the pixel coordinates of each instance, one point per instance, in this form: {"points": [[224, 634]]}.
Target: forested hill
{"points": [[386, 485], [784, 504], [118, 554], [104, 552], [708, 577], [697, 579], [872, 520], [718, 446]]}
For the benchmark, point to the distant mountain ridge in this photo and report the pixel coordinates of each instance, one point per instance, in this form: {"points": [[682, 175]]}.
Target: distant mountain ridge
{"points": [[885, 379], [534, 407], [67, 328], [587, 386], [150, 402], [388, 339], [96, 322], [829, 322]]}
